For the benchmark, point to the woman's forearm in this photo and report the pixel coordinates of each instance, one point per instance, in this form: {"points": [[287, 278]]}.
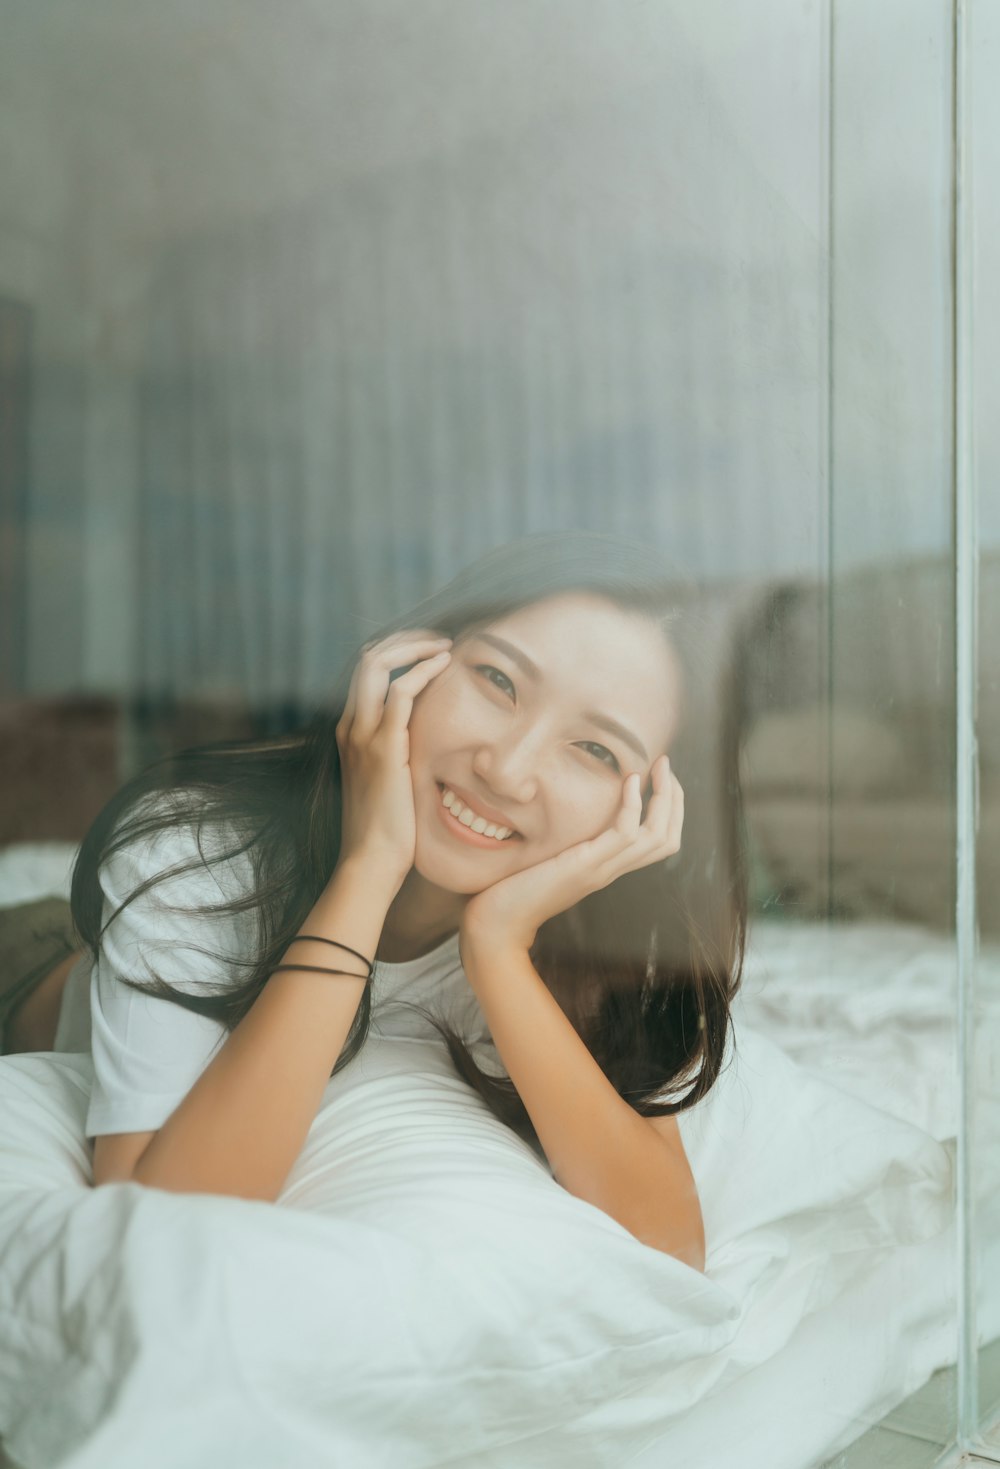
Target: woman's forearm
{"points": [[598, 1147], [243, 1124]]}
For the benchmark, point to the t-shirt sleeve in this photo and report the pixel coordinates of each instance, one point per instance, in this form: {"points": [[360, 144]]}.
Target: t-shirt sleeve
{"points": [[148, 1052]]}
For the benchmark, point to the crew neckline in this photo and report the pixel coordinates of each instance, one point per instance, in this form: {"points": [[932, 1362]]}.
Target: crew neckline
{"points": [[406, 968]]}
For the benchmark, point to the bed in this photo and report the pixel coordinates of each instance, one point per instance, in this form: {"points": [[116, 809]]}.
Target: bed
{"points": [[424, 1293]]}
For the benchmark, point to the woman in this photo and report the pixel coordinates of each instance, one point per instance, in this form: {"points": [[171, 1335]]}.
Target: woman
{"points": [[500, 772]]}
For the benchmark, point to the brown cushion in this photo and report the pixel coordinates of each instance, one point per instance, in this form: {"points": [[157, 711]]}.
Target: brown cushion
{"points": [[64, 758], [801, 749], [866, 858], [60, 765]]}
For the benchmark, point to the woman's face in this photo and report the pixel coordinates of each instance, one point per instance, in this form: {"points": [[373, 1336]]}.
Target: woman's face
{"points": [[518, 728]]}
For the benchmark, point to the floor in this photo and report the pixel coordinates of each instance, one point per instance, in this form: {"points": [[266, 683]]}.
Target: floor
{"points": [[915, 1433]]}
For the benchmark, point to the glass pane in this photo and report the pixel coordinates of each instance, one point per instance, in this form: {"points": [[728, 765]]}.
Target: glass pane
{"points": [[302, 312], [880, 996]]}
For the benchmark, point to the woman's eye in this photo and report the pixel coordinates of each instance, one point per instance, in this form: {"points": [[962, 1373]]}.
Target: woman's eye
{"points": [[603, 752], [487, 668]]}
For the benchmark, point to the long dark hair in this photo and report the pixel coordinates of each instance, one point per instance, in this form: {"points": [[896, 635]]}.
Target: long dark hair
{"points": [[645, 970]]}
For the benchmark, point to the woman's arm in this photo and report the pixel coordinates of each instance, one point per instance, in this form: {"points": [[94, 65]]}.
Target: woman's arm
{"points": [[598, 1147], [242, 1125]]}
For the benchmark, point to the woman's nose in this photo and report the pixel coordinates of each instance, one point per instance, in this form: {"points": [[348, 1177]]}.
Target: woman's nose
{"points": [[508, 768]]}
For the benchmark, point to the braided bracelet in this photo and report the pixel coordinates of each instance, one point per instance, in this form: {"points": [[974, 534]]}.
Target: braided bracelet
{"points": [[319, 969], [318, 938]]}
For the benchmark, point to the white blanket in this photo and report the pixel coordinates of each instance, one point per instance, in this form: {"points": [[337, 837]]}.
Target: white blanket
{"points": [[423, 1293]]}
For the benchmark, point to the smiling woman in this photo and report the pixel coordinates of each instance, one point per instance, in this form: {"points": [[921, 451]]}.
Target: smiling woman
{"points": [[507, 742], [528, 761]]}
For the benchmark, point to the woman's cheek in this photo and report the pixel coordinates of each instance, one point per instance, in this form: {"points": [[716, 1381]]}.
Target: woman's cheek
{"points": [[442, 711], [590, 821], [594, 810]]}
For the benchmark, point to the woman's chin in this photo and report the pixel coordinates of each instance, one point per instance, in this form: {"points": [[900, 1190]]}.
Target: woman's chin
{"points": [[465, 873], [448, 878]]}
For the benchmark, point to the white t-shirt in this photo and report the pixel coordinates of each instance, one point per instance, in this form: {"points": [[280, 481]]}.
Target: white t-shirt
{"points": [[148, 1052]]}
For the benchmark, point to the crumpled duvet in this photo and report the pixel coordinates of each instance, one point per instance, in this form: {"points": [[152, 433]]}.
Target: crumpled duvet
{"points": [[423, 1293]]}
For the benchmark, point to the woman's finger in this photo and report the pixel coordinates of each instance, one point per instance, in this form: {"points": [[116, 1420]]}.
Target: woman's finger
{"points": [[374, 683], [615, 839], [661, 802], [371, 681], [665, 813], [403, 691], [629, 816], [676, 824], [614, 850], [389, 646]]}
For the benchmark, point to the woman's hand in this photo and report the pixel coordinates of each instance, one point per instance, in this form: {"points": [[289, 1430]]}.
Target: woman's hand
{"points": [[513, 910], [378, 821]]}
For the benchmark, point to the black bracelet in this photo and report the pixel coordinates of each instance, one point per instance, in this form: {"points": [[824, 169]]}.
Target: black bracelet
{"points": [[318, 969], [319, 939]]}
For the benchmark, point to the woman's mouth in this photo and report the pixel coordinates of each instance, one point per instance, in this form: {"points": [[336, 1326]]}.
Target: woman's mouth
{"points": [[465, 824]]}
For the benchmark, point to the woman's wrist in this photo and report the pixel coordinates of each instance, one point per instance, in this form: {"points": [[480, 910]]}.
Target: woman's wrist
{"points": [[350, 913], [374, 874], [481, 937]]}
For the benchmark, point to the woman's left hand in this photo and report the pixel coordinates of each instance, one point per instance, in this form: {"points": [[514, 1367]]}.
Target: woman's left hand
{"points": [[512, 910]]}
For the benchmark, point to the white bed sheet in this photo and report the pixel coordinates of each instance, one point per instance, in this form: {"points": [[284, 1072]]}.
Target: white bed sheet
{"points": [[872, 1006], [872, 1330]]}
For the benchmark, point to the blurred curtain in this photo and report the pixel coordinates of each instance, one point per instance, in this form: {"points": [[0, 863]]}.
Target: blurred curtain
{"points": [[344, 403]]}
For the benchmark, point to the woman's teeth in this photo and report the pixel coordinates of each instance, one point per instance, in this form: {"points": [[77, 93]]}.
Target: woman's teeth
{"points": [[469, 818]]}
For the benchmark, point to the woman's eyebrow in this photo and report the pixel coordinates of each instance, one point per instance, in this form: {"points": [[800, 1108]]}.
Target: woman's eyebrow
{"points": [[603, 721], [521, 659]]}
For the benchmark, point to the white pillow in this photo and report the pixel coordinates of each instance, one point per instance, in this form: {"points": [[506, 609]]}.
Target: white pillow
{"points": [[772, 1141], [787, 750]]}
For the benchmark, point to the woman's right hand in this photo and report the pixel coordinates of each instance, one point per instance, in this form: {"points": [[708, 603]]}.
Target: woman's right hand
{"points": [[378, 822]]}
